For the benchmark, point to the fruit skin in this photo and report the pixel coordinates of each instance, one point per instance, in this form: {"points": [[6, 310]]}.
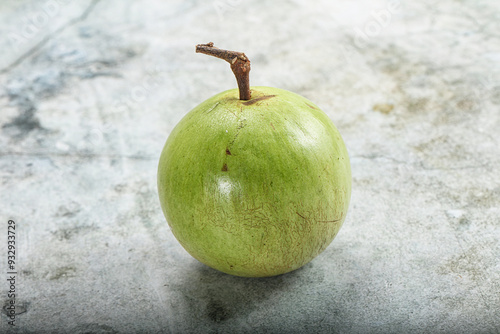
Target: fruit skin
{"points": [[255, 188]]}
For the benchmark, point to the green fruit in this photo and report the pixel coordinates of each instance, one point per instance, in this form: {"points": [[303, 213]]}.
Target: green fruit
{"points": [[255, 187]]}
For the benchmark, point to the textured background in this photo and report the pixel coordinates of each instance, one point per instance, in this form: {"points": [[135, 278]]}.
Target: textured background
{"points": [[89, 91]]}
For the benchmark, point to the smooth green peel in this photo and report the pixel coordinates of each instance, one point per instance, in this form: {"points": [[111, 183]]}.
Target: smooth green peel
{"points": [[255, 188]]}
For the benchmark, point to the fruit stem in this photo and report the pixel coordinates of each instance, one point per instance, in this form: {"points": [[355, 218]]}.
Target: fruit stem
{"points": [[240, 65]]}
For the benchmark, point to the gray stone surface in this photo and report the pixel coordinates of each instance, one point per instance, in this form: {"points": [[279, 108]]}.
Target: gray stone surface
{"points": [[91, 89]]}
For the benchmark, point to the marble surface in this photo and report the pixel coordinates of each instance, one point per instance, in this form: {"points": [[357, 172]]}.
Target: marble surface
{"points": [[90, 90]]}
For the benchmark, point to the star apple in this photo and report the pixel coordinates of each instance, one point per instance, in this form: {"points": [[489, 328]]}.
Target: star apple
{"points": [[254, 183]]}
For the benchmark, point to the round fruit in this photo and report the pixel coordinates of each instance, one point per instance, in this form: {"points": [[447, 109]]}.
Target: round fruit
{"points": [[255, 187]]}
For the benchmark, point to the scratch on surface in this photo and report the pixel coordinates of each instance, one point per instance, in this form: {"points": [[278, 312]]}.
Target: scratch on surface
{"points": [[163, 304], [238, 129], [419, 164], [311, 106], [75, 155], [329, 221], [301, 215], [472, 262], [213, 107], [47, 38]]}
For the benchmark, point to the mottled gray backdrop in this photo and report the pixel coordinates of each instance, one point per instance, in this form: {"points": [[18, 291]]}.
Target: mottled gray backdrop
{"points": [[90, 90]]}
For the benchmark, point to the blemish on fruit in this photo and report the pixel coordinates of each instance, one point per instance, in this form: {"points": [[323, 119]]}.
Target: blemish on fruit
{"points": [[330, 221], [311, 106], [265, 97], [224, 167], [227, 151], [301, 216], [213, 107]]}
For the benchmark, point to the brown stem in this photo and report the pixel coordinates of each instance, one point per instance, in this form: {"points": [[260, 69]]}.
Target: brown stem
{"points": [[240, 65]]}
